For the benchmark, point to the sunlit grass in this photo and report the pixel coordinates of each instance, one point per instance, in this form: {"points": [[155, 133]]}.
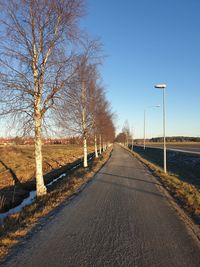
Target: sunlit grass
{"points": [[17, 169], [21, 160]]}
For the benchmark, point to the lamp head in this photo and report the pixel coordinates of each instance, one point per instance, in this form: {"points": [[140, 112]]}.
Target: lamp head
{"points": [[160, 86]]}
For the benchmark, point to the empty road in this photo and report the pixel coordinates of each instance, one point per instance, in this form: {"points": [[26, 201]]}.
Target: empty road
{"points": [[120, 219], [184, 148]]}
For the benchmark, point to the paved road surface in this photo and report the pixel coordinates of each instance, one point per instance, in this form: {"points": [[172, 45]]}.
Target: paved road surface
{"points": [[120, 219], [192, 149]]}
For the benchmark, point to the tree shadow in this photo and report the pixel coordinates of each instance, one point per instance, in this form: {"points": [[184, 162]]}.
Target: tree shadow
{"points": [[22, 189], [128, 167], [130, 178], [132, 188], [13, 174]]}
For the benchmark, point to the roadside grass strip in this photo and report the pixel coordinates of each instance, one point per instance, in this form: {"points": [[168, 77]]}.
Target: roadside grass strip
{"points": [[18, 225]]}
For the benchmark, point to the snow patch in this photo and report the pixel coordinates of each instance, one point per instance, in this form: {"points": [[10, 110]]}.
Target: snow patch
{"points": [[27, 201]]}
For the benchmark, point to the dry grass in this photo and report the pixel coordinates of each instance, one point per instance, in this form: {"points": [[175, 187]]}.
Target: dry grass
{"points": [[18, 225], [20, 159], [185, 194], [17, 168]]}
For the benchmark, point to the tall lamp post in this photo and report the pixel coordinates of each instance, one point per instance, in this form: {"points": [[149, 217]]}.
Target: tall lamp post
{"points": [[132, 138], [144, 140], [163, 87]]}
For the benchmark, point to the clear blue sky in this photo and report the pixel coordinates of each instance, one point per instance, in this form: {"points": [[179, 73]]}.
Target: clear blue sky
{"points": [[149, 42]]}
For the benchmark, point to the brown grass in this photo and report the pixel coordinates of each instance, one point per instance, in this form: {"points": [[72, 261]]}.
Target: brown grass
{"points": [[20, 159], [18, 225], [17, 168]]}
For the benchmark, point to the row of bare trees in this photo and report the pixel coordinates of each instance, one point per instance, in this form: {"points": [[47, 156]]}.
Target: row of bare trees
{"points": [[49, 71], [126, 136], [84, 110]]}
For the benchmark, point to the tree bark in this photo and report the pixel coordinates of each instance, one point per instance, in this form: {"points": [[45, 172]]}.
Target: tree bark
{"points": [[85, 164], [95, 146], [41, 188], [100, 149]]}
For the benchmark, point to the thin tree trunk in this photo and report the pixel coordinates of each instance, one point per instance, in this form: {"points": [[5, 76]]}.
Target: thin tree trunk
{"points": [[41, 188], [85, 163], [95, 146], [100, 144]]}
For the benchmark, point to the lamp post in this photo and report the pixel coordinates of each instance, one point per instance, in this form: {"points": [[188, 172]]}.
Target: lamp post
{"points": [[144, 128], [132, 139], [163, 87], [144, 140]]}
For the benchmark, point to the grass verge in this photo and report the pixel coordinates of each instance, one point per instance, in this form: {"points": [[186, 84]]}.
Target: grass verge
{"points": [[18, 225], [185, 194]]}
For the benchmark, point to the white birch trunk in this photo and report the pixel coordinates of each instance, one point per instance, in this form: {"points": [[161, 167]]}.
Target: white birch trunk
{"points": [[95, 146], [85, 163], [100, 149], [104, 146], [40, 187]]}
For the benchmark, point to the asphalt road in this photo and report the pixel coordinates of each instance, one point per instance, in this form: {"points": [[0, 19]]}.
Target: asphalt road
{"points": [[120, 219], [193, 149]]}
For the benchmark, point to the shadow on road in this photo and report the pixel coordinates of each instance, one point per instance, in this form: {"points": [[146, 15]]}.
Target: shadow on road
{"points": [[131, 188], [129, 178]]}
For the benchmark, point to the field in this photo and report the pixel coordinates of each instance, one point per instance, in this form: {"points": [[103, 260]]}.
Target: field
{"points": [[185, 146], [186, 166], [17, 168]]}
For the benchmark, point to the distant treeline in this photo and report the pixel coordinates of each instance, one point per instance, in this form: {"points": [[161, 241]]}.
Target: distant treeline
{"points": [[176, 139]]}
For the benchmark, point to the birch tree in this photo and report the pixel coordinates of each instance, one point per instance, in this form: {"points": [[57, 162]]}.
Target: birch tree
{"points": [[35, 62], [127, 132], [73, 114], [94, 129], [104, 120], [94, 100]]}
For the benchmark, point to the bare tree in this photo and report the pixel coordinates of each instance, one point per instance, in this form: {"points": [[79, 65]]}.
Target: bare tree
{"points": [[74, 112], [35, 62], [94, 88], [93, 112], [104, 120], [126, 131]]}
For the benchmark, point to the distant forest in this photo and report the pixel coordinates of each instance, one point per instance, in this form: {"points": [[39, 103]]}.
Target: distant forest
{"points": [[175, 139], [122, 137], [169, 139]]}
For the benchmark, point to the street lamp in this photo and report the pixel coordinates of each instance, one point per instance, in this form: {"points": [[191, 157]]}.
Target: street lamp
{"points": [[163, 86], [144, 140], [132, 138]]}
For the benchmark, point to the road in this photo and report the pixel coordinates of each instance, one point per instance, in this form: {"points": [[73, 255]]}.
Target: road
{"points": [[120, 219], [192, 149]]}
